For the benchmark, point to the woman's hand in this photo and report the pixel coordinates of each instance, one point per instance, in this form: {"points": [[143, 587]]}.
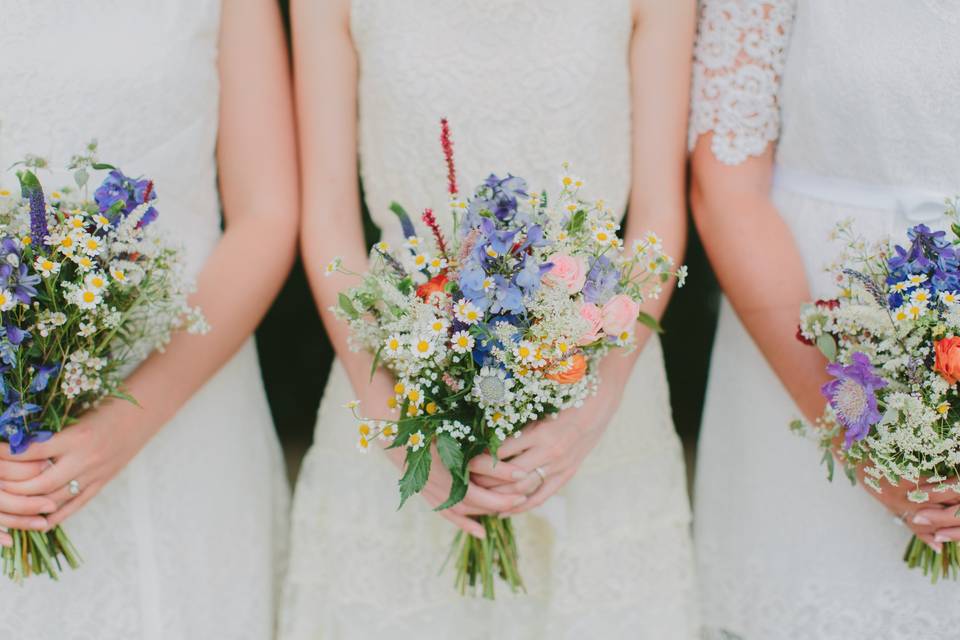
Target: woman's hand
{"points": [[478, 501], [21, 512], [556, 446], [933, 522], [91, 452]]}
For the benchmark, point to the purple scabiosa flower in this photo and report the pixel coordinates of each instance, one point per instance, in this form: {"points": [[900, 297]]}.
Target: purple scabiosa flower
{"points": [[852, 394]]}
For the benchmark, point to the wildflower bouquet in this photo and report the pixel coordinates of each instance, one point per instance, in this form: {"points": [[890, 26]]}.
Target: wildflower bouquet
{"points": [[892, 336], [495, 327], [87, 290]]}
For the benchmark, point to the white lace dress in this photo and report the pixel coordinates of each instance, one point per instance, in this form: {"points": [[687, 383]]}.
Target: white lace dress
{"points": [[184, 543], [861, 99], [526, 85]]}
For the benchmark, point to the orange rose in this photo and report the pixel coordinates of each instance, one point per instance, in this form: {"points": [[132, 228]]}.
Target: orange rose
{"points": [[577, 369], [433, 287], [947, 363]]}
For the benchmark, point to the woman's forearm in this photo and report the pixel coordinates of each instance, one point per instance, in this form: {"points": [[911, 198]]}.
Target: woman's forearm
{"points": [[760, 270], [234, 291]]}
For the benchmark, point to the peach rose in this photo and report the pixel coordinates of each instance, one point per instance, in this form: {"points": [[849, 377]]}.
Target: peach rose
{"points": [[568, 272], [619, 315], [594, 316], [577, 369], [947, 362]]}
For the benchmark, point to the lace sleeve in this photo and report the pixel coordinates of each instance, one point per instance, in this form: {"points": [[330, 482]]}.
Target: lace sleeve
{"points": [[738, 60]]}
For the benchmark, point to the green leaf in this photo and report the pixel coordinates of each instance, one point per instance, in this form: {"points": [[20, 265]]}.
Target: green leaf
{"points": [[103, 166], [797, 427], [956, 229], [416, 474], [458, 491], [851, 474], [406, 427], [452, 455], [376, 361], [828, 460], [347, 306], [405, 286], [121, 395], [649, 321], [29, 181], [828, 347], [576, 221]]}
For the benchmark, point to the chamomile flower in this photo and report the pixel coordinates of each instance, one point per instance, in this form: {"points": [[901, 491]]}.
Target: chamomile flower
{"points": [[466, 312], [5, 193], [915, 310], [943, 408], [436, 265], [571, 182], [102, 221], [388, 432], [84, 262], [422, 347], [900, 287], [363, 444], [393, 345], [562, 235], [624, 338], [87, 329], [602, 236], [438, 326], [949, 298], [76, 222], [95, 281], [66, 245], [462, 342], [525, 352], [917, 279], [920, 297], [421, 260], [118, 274], [901, 314], [571, 207], [413, 242], [7, 301], [382, 246], [353, 404], [653, 241], [491, 252], [416, 441], [87, 298], [90, 245], [26, 241], [46, 267], [333, 266]]}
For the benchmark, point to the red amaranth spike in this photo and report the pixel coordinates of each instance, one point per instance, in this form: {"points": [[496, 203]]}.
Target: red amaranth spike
{"points": [[447, 145], [431, 221], [148, 191]]}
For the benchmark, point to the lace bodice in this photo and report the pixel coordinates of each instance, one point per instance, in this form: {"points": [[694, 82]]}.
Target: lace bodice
{"points": [[862, 89], [548, 83], [155, 61]]}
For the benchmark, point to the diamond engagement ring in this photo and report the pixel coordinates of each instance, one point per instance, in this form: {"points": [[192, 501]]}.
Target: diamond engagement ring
{"points": [[542, 474], [74, 488]]}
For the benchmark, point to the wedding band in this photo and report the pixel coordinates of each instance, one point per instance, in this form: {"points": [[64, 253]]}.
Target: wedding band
{"points": [[542, 474], [74, 488]]}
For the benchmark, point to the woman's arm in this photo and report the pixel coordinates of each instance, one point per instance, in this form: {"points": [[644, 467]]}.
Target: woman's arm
{"points": [[256, 153], [660, 58], [758, 265]]}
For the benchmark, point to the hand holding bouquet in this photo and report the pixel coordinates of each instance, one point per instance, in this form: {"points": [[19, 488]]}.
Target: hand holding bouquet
{"points": [[87, 290], [893, 338], [495, 327]]}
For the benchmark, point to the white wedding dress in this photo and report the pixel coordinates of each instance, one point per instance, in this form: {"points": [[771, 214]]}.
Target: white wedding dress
{"points": [[185, 542], [860, 97], [526, 84]]}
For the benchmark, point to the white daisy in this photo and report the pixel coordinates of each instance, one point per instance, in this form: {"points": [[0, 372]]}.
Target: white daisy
{"points": [[393, 345], [438, 326], [333, 266], [466, 312], [7, 301], [46, 267], [413, 242], [416, 441], [525, 352], [422, 346], [87, 298], [95, 281], [462, 342]]}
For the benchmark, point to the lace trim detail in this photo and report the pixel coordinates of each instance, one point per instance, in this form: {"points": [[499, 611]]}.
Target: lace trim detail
{"points": [[738, 61]]}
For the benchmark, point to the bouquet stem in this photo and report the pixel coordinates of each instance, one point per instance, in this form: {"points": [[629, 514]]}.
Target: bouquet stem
{"points": [[479, 561], [36, 552], [945, 564]]}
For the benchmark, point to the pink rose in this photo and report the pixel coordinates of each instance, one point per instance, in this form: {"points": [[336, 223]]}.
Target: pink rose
{"points": [[619, 315], [568, 272], [594, 316]]}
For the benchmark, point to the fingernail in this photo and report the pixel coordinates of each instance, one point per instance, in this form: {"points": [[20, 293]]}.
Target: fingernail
{"points": [[918, 519], [519, 475], [941, 537], [39, 523], [936, 546], [519, 501]]}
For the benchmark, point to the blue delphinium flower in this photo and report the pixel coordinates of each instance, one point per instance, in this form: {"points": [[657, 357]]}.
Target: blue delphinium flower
{"points": [[602, 280], [121, 194], [20, 433], [497, 197], [852, 394], [930, 253], [42, 375]]}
